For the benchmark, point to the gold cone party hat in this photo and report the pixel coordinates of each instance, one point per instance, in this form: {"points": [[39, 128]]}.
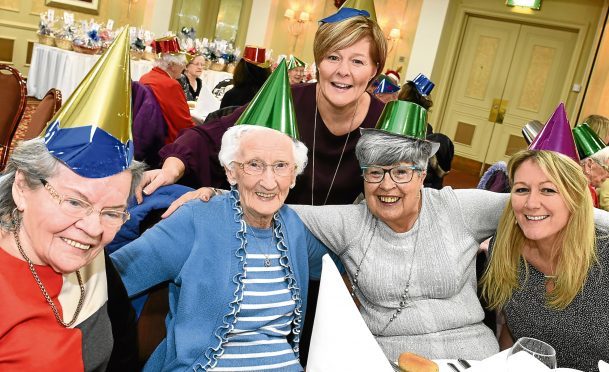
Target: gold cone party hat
{"points": [[91, 133]]}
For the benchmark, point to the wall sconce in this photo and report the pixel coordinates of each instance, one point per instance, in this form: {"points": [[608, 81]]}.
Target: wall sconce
{"points": [[394, 38], [296, 24]]}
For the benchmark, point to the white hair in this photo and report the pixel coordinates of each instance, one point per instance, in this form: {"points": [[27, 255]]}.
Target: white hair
{"points": [[601, 155], [231, 140], [165, 60]]}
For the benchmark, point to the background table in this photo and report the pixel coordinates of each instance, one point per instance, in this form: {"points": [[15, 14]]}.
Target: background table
{"points": [[52, 67]]}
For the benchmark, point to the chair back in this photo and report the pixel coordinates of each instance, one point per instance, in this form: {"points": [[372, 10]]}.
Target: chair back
{"points": [[13, 93], [48, 107]]}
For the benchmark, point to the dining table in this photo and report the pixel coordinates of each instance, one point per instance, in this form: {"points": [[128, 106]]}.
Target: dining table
{"points": [[52, 67]]}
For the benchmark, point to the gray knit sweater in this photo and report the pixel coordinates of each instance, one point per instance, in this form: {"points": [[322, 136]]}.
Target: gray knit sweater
{"points": [[443, 318]]}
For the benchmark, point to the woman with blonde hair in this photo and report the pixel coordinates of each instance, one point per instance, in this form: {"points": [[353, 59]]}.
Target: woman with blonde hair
{"points": [[548, 265]]}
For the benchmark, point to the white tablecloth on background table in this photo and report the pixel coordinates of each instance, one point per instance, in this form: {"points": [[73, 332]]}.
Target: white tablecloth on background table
{"points": [[52, 67]]}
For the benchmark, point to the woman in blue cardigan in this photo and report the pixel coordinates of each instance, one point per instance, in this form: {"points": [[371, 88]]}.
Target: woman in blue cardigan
{"points": [[237, 267]]}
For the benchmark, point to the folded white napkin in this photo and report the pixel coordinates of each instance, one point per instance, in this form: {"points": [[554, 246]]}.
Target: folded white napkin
{"points": [[341, 341], [603, 366], [519, 362]]}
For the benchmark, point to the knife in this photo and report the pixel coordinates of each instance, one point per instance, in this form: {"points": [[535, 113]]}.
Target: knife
{"points": [[464, 363], [454, 367]]}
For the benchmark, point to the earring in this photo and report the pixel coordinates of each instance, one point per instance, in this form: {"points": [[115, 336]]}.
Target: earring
{"points": [[15, 219]]}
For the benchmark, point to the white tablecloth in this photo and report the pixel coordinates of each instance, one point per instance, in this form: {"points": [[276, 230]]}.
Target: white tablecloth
{"points": [[52, 67]]}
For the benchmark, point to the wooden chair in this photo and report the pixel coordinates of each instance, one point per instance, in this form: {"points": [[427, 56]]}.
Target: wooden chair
{"points": [[48, 107], [13, 93]]}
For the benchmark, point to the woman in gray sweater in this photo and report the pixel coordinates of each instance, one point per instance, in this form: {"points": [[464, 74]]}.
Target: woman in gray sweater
{"points": [[410, 251]]}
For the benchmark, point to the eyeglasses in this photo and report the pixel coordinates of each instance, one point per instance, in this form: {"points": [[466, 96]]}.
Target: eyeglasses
{"points": [[399, 173], [257, 167], [79, 208], [597, 162]]}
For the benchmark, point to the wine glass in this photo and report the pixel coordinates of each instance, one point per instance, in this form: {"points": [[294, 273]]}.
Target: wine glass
{"points": [[539, 350]]}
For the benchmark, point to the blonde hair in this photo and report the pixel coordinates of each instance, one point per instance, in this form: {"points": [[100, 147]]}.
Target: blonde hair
{"points": [[599, 124], [331, 37], [576, 242]]}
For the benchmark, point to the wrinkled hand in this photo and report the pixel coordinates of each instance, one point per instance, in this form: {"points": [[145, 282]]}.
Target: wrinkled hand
{"points": [[204, 194], [172, 171]]}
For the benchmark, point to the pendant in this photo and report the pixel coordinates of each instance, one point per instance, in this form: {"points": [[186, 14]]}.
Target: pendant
{"points": [[267, 262]]}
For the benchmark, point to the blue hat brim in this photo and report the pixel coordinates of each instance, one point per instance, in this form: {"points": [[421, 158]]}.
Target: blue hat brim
{"points": [[89, 151], [344, 13]]}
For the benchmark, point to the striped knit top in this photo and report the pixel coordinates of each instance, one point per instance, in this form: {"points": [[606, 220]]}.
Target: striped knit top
{"points": [[258, 341]]}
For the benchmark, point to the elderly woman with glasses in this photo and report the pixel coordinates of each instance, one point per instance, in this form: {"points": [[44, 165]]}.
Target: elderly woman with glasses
{"points": [[238, 267], [62, 199], [190, 79], [409, 251]]}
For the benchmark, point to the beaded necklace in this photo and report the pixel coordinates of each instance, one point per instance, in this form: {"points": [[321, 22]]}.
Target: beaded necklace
{"points": [[404, 297]]}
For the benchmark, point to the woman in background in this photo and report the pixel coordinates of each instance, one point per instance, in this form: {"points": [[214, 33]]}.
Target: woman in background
{"points": [[190, 79]]}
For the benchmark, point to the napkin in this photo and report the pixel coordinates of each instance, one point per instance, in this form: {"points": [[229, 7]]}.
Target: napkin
{"points": [[521, 361], [341, 341], [603, 366], [206, 103]]}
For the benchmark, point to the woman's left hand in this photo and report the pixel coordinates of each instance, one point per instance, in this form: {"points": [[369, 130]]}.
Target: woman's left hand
{"points": [[204, 194]]}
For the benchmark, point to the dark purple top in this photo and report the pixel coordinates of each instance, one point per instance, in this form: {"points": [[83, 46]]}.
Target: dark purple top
{"points": [[198, 149]]}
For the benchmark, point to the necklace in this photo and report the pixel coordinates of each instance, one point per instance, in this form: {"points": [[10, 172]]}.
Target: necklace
{"points": [[267, 257], [404, 297], [43, 289], [341, 153]]}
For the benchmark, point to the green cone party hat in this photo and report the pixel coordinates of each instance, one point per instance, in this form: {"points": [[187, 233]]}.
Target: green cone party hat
{"points": [[405, 119], [272, 107], [294, 62], [587, 141]]}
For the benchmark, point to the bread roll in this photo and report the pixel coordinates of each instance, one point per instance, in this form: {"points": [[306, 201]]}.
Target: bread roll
{"points": [[410, 362]]}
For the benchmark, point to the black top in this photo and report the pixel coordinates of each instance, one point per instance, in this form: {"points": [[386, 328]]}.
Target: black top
{"points": [[191, 94]]}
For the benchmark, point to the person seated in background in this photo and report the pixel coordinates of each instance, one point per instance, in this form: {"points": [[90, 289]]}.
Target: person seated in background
{"points": [[418, 91], [384, 89], [296, 70], [239, 266], [394, 75], [549, 262], [190, 78], [251, 72], [600, 125], [594, 156], [62, 199], [162, 81]]}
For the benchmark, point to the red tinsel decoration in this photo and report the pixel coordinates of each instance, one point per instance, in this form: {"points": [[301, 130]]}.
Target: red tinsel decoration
{"points": [[339, 3]]}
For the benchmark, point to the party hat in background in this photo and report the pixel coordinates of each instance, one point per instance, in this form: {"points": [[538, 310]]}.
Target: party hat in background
{"points": [[272, 107], [385, 84], [294, 62], [91, 133], [352, 8], [556, 135], [587, 141], [423, 84]]}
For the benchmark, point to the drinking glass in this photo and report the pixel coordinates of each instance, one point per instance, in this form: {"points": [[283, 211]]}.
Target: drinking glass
{"points": [[540, 350]]}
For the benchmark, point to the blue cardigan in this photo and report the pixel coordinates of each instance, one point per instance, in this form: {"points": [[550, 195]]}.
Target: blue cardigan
{"points": [[200, 250]]}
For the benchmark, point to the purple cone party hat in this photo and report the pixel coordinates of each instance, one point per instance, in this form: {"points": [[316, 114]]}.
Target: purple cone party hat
{"points": [[272, 107], [384, 84], [405, 119], [587, 141], [556, 135], [352, 8], [91, 134]]}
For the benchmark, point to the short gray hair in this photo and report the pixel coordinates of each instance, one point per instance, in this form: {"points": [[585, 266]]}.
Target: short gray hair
{"points": [[231, 140], [376, 147], [34, 160], [165, 60]]}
